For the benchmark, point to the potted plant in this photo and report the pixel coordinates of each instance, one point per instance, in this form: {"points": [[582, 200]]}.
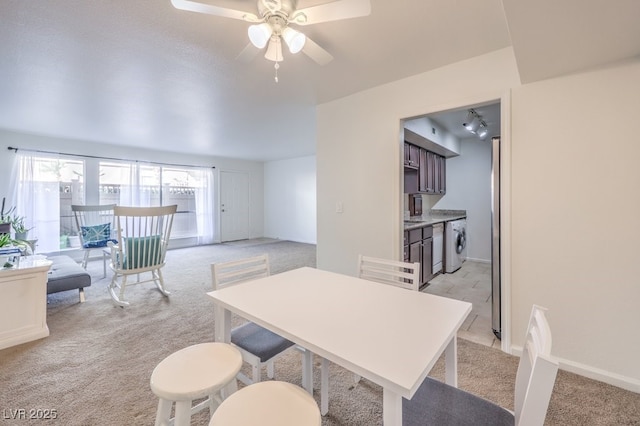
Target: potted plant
{"points": [[5, 219], [74, 240], [64, 241], [9, 248], [21, 231], [5, 240]]}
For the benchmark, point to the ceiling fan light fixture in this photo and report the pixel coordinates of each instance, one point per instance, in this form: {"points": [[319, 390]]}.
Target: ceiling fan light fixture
{"points": [[274, 51], [294, 39], [260, 34]]}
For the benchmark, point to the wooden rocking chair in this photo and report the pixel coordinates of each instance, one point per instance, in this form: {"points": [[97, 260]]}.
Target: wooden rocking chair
{"points": [[143, 235]]}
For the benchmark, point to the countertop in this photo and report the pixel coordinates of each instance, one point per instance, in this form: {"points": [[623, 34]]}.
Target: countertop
{"points": [[434, 217], [26, 263]]}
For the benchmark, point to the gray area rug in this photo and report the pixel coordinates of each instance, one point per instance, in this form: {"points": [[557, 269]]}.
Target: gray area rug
{"points": [[95, 366]]}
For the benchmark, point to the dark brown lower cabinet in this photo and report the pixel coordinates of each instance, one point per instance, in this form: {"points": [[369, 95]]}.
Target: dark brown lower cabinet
{"points": [[426, 261], [426, 264], [420, 249], [415, 241]]}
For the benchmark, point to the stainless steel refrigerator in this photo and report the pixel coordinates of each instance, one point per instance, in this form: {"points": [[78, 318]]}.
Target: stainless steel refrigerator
{"points": [[496, 320]]}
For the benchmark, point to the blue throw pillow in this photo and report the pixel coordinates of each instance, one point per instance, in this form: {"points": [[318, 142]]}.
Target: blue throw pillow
{"points": [[96, 236]]}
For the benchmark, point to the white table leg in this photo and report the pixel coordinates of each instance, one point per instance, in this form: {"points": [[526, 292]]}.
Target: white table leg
{"points": [[307, 371], [223, 325], [451, 363], [324, 387], [391, 408]]}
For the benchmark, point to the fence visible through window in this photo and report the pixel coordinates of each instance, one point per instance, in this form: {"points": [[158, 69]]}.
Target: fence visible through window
{"points": [[184, 224], [47, 187]]}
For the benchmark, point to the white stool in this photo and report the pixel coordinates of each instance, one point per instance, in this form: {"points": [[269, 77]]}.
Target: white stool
{"points": [[270, 403], [198, 371]]}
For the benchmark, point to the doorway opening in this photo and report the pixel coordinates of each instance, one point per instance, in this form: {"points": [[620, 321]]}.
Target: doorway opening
{"points": [[472, 186]]}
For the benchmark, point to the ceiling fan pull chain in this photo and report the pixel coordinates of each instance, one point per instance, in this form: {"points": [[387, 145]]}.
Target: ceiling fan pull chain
{"points": [[276, 66]]}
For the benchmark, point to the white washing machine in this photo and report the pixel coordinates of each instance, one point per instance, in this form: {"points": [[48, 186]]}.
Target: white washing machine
{"points": [[455, 245]]}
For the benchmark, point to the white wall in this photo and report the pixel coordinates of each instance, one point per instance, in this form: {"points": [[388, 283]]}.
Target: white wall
{"points": [[290, 199], [573, 178], [359, 154], [424, 125], [575, 203], [469, 188], [27, 141]]}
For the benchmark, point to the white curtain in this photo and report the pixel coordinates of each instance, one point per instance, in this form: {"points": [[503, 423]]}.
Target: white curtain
{"points": [[205, 206], [136, 192], [36, 196], [130, 193], [38, 201]]}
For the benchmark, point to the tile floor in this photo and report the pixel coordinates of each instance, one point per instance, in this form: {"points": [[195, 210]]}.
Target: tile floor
{"points": [[471, 283]]}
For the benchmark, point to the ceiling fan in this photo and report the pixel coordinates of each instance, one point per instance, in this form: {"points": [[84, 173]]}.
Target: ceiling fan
{"points": [[271, 25]]}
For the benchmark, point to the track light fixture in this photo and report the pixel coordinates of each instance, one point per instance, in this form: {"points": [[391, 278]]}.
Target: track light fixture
{"points": [[476, 125], [473, 121], [482, 131]]}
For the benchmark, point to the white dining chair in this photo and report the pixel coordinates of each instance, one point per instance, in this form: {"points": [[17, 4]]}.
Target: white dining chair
{"points": [[436, 403], [400, 274], [259, 346]]}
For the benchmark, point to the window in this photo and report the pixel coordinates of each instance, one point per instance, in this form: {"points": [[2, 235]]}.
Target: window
{"points": [[130, 184], [150, 185], [47, 187]]}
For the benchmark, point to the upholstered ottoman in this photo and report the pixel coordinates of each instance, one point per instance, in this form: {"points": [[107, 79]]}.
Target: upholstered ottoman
{"points": [[65, 274]]}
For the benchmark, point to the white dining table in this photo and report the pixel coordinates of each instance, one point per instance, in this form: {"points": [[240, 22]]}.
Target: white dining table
{"points": [[389, 335]]}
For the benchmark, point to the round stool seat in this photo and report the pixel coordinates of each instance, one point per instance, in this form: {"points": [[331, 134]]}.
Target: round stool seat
{"points": [[195, 371], [271, 403], [204, 370]]}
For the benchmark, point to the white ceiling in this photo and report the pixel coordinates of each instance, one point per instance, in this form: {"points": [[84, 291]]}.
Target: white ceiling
{"points": [[143, 73], [452, 121]]}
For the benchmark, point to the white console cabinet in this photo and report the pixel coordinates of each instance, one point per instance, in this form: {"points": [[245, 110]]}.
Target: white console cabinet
{"points": [[23, 302]]}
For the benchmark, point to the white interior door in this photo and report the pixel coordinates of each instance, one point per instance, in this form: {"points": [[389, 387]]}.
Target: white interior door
{"points": [[234, 206]]}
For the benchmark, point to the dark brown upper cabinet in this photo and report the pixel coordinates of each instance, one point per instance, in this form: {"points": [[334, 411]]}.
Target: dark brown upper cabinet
{"points": [[429, 176]]}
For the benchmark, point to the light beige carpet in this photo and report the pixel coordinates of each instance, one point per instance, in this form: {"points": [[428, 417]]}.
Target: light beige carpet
{"points": [[95, 366]]}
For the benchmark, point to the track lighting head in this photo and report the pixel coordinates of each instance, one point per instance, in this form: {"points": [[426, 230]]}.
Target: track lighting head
{"points": [[473, 121], [476, 125], [482, 131]]}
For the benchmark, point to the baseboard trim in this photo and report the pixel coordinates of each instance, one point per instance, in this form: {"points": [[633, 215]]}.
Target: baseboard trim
{"points": [[471, 259], [614, 379]]}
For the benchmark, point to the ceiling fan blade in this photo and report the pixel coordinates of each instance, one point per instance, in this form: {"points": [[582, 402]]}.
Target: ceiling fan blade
{"points": [[341, 9], [248, 53], [317, 53], [193, 6]]}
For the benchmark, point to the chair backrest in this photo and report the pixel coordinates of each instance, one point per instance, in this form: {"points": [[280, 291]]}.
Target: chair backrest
{"points": [[143, 236], [238, 271], [536, 372], [399, 274], [94, 224]]}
